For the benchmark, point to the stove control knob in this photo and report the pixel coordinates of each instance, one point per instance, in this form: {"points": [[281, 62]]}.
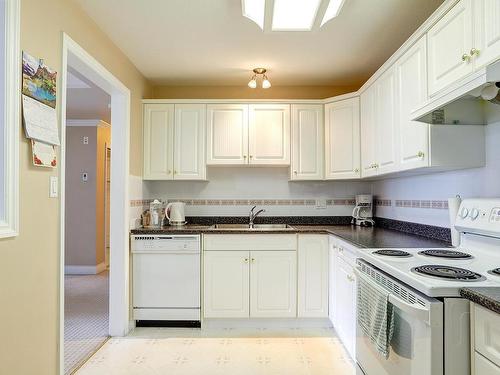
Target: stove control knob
{"points": [[474, 213], [464, 212]]}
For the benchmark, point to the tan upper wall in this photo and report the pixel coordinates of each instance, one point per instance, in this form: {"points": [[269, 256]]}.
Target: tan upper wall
{"points": [[244, 92], [29, 269]]}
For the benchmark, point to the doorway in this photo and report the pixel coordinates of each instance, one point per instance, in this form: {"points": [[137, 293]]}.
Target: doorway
{"points": [[76, 59]]}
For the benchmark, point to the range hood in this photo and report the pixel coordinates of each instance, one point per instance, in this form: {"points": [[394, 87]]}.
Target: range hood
{"points": [[467, 102]]}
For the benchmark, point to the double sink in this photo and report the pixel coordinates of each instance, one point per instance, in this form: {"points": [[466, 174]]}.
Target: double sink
{"points": [[257, 227]]}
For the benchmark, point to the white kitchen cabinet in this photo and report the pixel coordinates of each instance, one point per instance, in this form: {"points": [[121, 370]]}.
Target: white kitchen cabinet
{"points": [[342, 140], [312, 276], [368, 133], [273, 284], [485, 341], [411, 79], [387, 129], [307, 142], [269, 134], [227, 134], [486, 32], [226, 284], [449, 44], [332, 285], [158, 141], [189, 142]]}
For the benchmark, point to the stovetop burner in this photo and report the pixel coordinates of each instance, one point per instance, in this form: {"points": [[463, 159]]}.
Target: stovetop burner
{"points": [[495, 271], [447, 273], [450, 254], [392, 253]]}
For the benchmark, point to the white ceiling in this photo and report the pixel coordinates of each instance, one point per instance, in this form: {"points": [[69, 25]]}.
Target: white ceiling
{"points": [[209, 42]]}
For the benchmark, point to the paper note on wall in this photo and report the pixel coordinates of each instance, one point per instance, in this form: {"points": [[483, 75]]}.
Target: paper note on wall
{"points": [[40, 121]]}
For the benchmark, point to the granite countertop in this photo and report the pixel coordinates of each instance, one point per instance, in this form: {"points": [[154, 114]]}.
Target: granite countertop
{"points": [[488, 297], [359, 236]]}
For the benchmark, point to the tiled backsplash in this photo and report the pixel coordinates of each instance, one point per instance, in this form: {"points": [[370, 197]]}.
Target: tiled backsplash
{"points": [[247, 202]]}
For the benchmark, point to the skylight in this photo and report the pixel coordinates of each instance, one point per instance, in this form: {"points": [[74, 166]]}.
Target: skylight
{"points": [[291, 15], [294, 15]]}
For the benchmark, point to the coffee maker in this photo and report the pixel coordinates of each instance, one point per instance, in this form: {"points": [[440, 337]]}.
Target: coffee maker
{"points": [[363, 211]]}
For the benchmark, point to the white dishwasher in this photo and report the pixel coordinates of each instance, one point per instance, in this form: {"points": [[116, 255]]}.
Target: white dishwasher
{"points": [[166, 277]]}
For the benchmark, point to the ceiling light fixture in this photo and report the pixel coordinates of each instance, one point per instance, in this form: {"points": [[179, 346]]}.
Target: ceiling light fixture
{"points": [[291, 15], [265, 81]]}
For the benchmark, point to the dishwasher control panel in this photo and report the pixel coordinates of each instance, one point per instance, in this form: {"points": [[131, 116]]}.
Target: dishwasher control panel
{"points": [[165, 243]]}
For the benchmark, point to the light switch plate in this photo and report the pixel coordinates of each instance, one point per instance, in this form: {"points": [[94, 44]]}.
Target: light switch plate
{"points": [[85, 176], [85, 140], [321, 204], [53, 187]]}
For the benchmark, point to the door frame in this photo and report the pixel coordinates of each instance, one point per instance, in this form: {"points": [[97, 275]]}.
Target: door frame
{"points": [[107, 166], [75, 56]]}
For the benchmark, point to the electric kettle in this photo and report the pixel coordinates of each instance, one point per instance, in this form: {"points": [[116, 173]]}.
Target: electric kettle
{"points": [[174, 213]]}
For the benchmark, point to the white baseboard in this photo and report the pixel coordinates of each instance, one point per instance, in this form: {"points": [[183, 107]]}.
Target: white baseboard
{"points": [[84, 270]]}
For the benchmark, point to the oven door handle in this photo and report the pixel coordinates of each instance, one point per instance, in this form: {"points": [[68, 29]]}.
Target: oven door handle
{"points": [[415, 311]]}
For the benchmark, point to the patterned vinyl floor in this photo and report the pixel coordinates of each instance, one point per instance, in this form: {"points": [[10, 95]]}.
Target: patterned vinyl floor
{"points": [[164, 351], [85, 317]]}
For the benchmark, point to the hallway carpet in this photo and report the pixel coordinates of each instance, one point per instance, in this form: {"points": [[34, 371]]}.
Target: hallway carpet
{"points": [[86, 312]]}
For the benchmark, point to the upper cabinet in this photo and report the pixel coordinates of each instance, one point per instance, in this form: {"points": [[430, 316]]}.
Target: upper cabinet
{"points": [[450, 42], [368, 132], [269, 134], [411, 92], [342, 139], [486, 31], [174, 142], [307, 142], [227, 134]]}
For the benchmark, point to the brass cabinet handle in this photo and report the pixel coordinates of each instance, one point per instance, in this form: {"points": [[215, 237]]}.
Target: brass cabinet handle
{"points": [[356, 170], [294, 172], [251, 156], [466, 57], [420, 154], [246, 260], [244, 156], [253, 260], [169, 171], [474, 52]]}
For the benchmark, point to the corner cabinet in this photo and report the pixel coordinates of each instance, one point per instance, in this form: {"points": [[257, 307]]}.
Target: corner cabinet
{"points": [[174, 142], [342, 140], [269, 134], [307, 142]]}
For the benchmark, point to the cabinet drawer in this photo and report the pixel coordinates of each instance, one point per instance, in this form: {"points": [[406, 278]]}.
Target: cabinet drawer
{"points": [[250, 242], [484, 367], [487, 333]]}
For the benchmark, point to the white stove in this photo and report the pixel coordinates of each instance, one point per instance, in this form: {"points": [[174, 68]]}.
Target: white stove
{"points": [[431, 321]]}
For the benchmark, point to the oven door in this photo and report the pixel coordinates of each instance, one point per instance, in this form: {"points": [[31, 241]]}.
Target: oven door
{"points": [[416, 347]]}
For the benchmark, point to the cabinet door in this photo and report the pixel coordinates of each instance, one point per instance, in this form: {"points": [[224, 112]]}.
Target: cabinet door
{"points": [[346, 305], [227, 134], [189, 142], [387, 142], [332, 288], [368, 132], [158, 141], [486, 31], [273, 284], [226, 284], [307, 142], [411, 71], [313, 276], [342, 140], [448, 41], [269, 134]]}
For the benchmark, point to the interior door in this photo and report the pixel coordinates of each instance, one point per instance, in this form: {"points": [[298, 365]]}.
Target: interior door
{"points": [[448, 41], [269, 134], [189, 142], [158, 141], [273, 284], [368, 133], [307, 142], [226, 284], [486, 31], [342, 140], [411, 71], [227, 134], [387, 128]]}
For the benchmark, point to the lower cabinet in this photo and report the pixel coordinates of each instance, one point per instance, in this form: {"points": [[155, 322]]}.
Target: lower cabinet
{"points": [[312, 276], [485, 340], [242, 284]]}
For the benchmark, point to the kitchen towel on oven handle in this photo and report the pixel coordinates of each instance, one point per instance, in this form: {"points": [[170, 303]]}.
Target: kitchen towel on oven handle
{"points": [[375, 314]]}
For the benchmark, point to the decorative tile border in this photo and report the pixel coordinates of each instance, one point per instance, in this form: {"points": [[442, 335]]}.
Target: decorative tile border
{"points": [[439, 205], [382, 202], [248, 202]]}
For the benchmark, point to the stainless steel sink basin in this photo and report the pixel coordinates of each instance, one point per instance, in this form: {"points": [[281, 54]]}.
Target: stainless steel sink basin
{"points": [[254, 227]]}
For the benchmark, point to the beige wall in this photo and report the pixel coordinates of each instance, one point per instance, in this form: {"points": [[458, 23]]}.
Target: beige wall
{"points": [[244, 92], [29, 267], [103, 139]]}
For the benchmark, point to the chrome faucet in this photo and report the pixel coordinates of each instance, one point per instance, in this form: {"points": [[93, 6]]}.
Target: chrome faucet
{"points": [[253, 215]]}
